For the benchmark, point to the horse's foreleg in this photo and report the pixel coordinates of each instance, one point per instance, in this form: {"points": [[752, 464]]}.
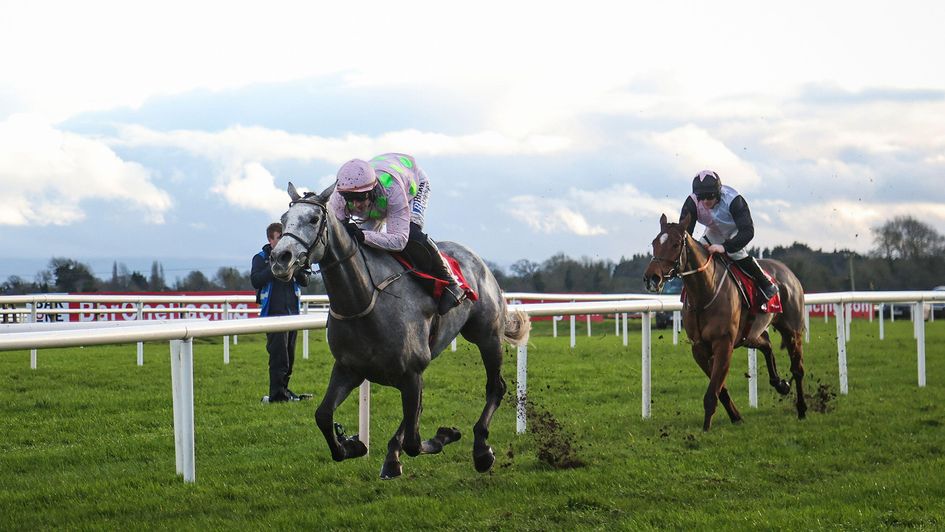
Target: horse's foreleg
{"points": [[491, 351], [703, 357], [340, 384], [721, 361], [411, 390], [392, 467]]}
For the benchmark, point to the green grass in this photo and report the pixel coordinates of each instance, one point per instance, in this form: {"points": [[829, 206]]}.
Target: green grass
{"points": [[86, 442]]}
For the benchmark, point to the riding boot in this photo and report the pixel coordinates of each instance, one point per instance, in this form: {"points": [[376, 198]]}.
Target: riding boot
{"points": [[750, 266], [452, 294]]}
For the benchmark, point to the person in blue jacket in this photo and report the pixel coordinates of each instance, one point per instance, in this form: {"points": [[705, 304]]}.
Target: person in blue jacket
{"points": [[278, 298]]}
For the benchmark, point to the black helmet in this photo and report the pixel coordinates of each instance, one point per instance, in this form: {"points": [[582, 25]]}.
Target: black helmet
{"points": [[707, 183]]}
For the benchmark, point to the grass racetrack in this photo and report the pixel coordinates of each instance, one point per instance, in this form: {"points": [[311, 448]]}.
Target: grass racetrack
{"points": [[87, 442]]}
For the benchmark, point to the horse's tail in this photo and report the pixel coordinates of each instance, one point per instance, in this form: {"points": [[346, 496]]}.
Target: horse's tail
{"points": [[517, 325]]}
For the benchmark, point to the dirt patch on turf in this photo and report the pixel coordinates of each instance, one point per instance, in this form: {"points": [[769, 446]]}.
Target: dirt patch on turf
{"points": [[554, 442], [821, 400]]}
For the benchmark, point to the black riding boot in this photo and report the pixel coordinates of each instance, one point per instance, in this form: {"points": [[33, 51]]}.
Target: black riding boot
{"points": [[425, 255], [750, 266]]}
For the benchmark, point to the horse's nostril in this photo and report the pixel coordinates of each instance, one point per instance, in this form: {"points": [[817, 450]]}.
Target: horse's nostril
{"points": [[284, 258]]}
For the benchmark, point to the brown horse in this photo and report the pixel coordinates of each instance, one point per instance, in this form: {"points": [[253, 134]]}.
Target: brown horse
{"points": [[716, 320]]}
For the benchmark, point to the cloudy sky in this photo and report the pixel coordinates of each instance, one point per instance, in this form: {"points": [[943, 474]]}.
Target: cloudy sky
{"points": [[141, 131]]}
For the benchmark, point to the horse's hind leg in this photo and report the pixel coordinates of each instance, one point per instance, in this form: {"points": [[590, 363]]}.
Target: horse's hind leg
{"points": [[491, 351], [791, 340], [340, 384], [774, 378]]}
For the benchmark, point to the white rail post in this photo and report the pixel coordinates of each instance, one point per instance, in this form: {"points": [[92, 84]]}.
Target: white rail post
{"points": [[848, 316], [676, 326], [573, 340], [807, 323], [625, 329], [645, 371], [920, 342], [305, 336], [915, 322], [554, 325], [226, 338], [182, 381], [33, 355], [841, 349], [176, 402], [753, 378], [882, 320], [140, 316], [364, 414], [521, 386], [617, 324], [588, 324], [453, 344]]}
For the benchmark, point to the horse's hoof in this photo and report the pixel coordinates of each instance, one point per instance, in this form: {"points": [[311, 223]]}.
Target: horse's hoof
{"points": [[783, 387], [391, 470], [484, 460], [448, 435], [353, 447], [432, 446]]}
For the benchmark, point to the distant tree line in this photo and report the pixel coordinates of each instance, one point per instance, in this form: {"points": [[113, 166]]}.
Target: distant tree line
{"points": [[907, 255]]}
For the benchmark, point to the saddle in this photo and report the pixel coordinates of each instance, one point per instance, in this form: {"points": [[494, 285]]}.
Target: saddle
{"points": [[750, 294], [748, 290], [434, 285]]}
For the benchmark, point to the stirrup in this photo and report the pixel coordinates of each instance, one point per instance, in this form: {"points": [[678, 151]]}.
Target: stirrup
{"points": [[449, 300], [769, 292]]}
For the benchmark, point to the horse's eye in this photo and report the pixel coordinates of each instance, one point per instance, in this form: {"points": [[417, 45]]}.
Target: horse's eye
{"points": [[315, 219]]}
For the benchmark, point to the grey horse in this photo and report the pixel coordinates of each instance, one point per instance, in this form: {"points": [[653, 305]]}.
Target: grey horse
{"points": [[383, 327]]}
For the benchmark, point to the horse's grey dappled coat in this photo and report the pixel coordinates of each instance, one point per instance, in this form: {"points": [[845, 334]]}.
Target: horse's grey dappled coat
{"points": [[380, 324]]}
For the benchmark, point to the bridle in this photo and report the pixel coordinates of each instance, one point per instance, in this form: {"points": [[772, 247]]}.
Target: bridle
{"points": [[321, 235], [677, 263]]}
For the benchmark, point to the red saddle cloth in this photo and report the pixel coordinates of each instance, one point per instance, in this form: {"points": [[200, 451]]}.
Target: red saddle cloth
{"points": [[750, 294], [435, 285]]}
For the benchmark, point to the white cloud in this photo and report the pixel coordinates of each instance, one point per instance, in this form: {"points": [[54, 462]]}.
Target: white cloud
{"points": [[240, 152], [253, 187], [834, 224], [693, 149], [46, 173], [551, 216], [263, 144]]}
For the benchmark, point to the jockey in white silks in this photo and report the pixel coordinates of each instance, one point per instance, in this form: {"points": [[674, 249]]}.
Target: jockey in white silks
{"points": [[384, 201], [729, 227]]}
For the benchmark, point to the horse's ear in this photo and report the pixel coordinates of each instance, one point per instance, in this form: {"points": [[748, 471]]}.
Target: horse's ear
{"points": [[684, 222], [294, 194], [663, 222], [326, 193]]}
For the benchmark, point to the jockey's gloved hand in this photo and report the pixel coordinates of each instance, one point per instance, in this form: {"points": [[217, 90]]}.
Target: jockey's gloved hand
{"points": [[355, 232]]}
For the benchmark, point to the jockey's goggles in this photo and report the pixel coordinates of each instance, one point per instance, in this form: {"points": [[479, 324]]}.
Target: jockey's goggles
{"points": [[356, 196], [708, 196]]}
